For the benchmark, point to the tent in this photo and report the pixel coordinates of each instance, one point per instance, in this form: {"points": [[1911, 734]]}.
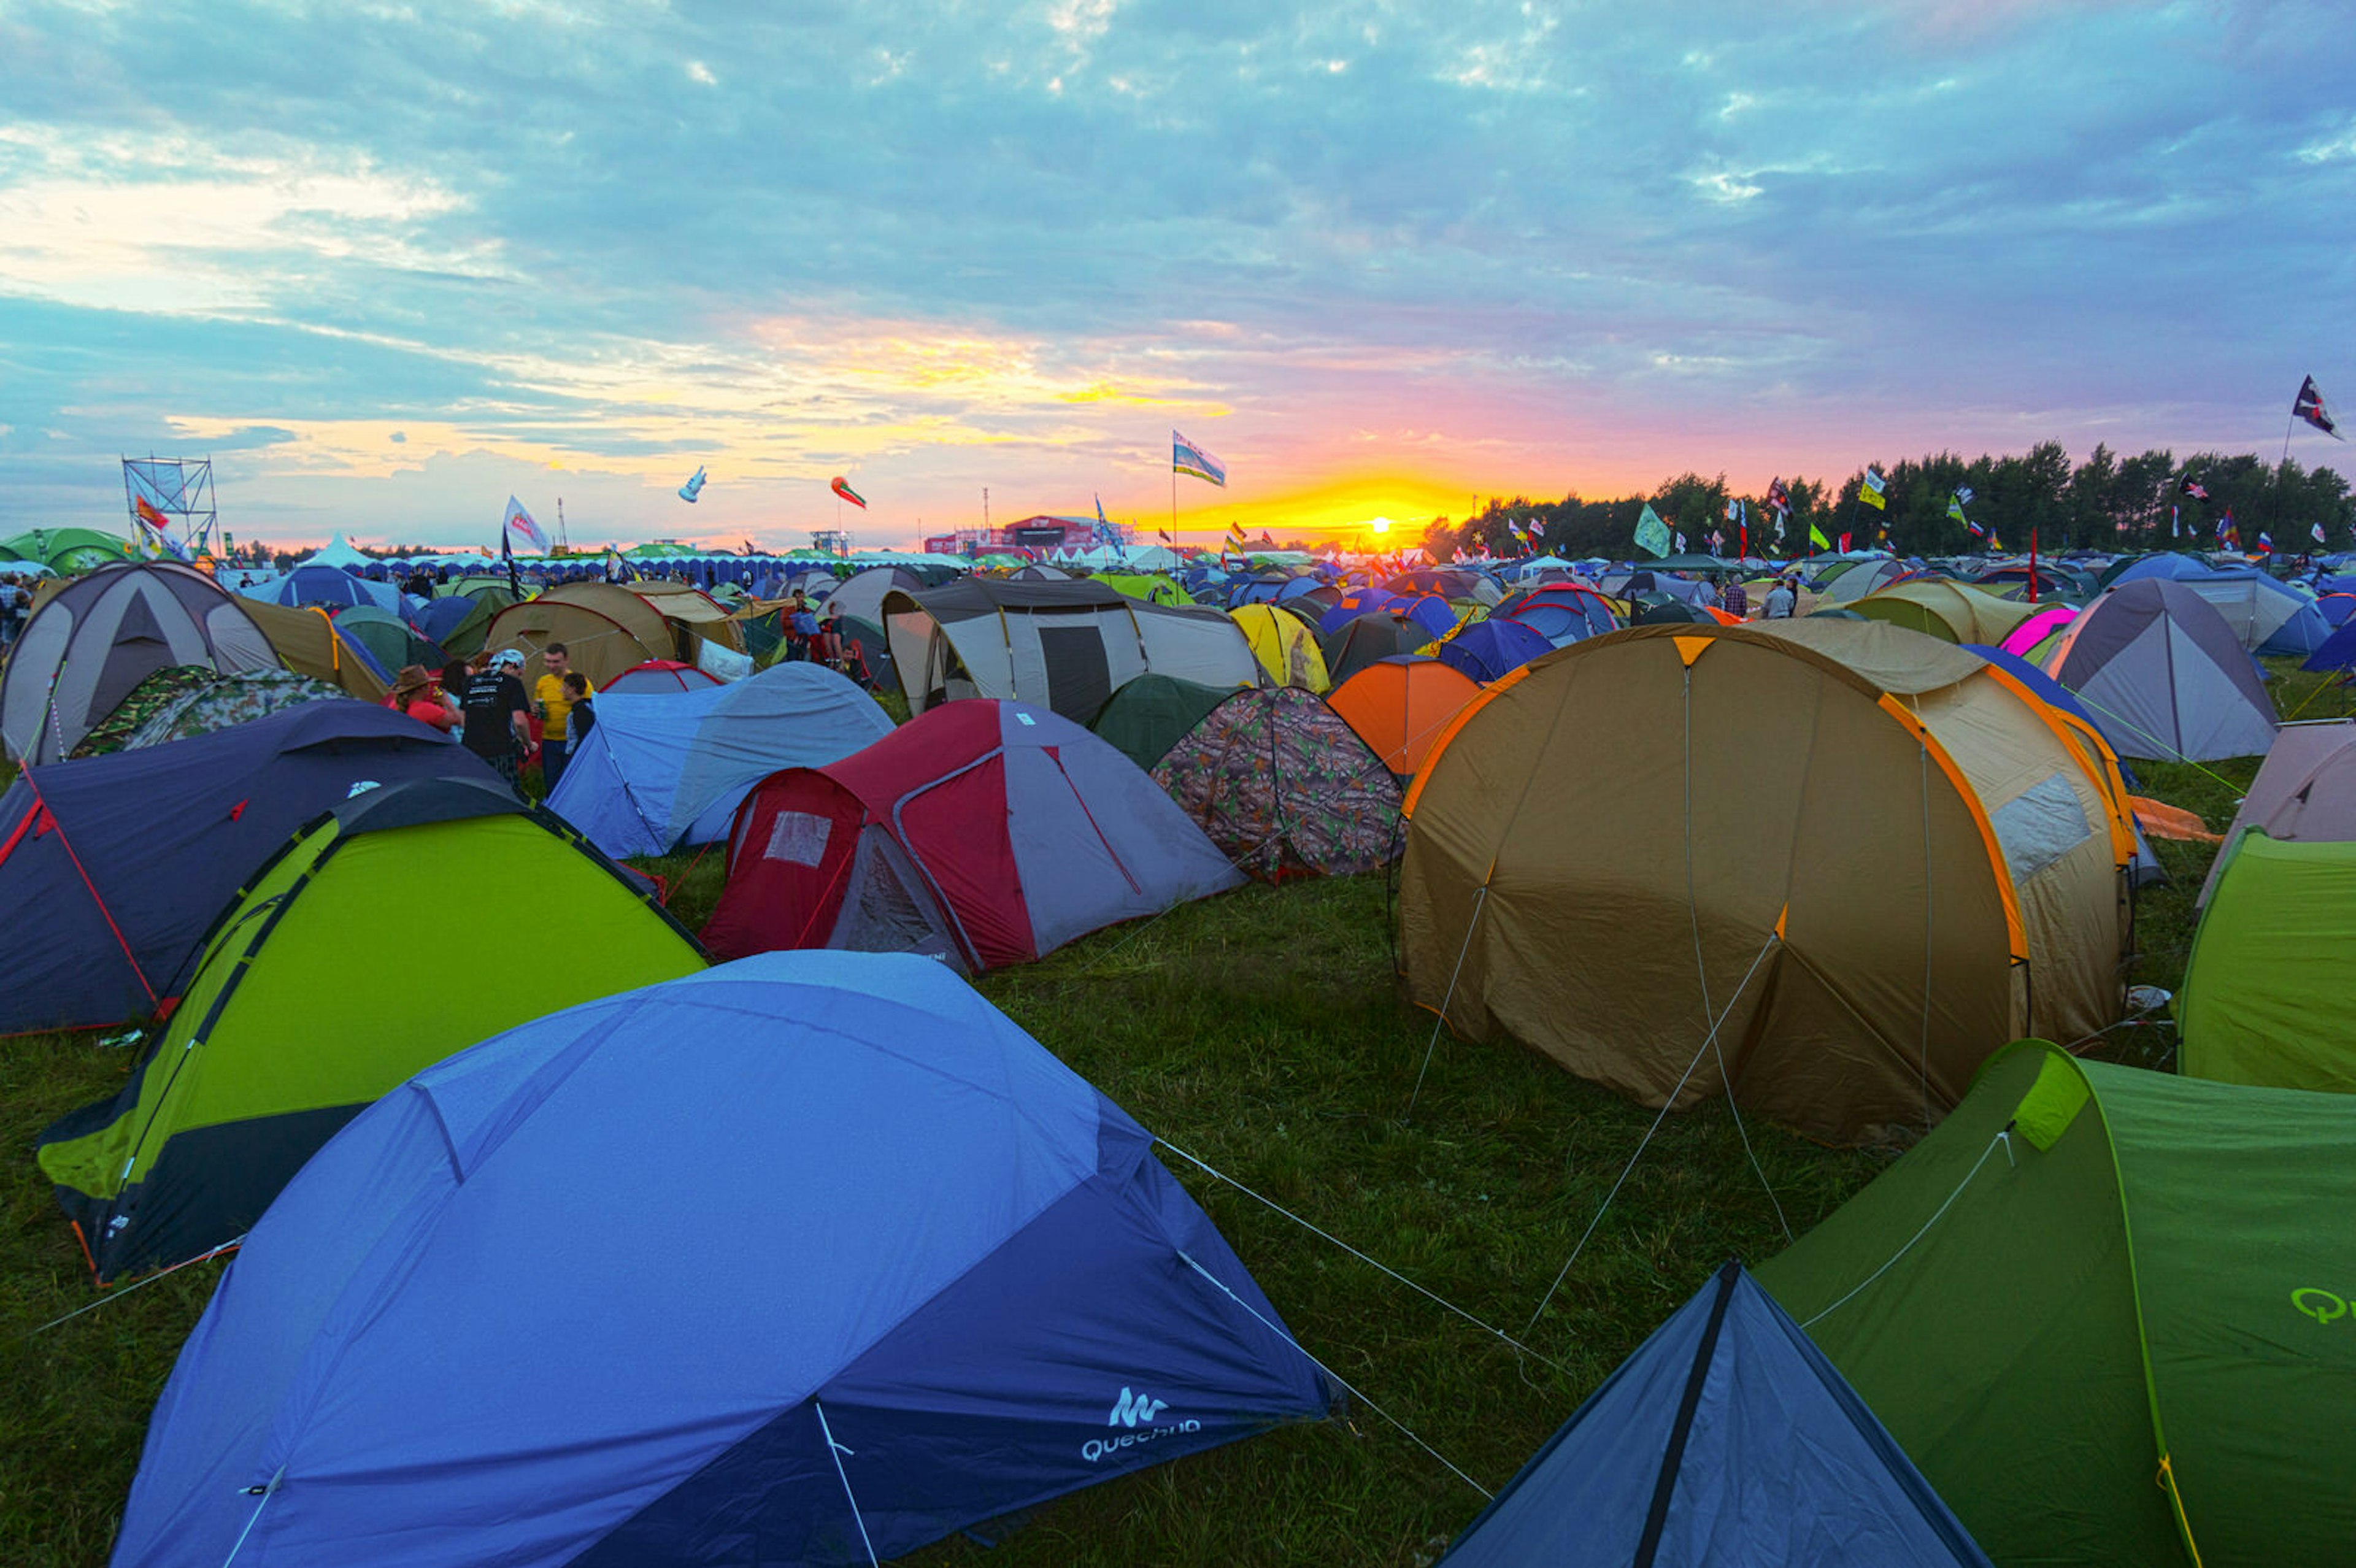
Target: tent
{"points": [[2105, 1311], [2164, 676], [657, 675], [1285, 645], [814, 1258], [181, 700], [1727, 1440], [862, 593], [1283, 786], [291, 1022], [1153, 587], [1399, 707], [1362, 641], [1360, 602], [2264, 998], [1858, 579], [605, 629], [2044, 621], [91, 642], [2266, 616], [308, 642], [1562, 614], [390, 640], [1152, 713], [1062, 646], [2305, 790], [1488, 649], [1952, 612], [336, 552], [70, 550], [1635, 856], [123, 915], [983, 833], [661, 771], [330, 587]]}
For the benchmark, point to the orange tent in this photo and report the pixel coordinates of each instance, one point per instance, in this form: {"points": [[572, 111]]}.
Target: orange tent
{"points": [[1400, 705]]}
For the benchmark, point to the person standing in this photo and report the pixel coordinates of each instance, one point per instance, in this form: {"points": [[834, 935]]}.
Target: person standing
{"points": [[1735, 600], [497, 717], [583, 717], [1780, 600], [551, 703]]}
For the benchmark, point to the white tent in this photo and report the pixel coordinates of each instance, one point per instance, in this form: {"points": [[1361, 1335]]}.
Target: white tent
{"points": [[336, 552]]}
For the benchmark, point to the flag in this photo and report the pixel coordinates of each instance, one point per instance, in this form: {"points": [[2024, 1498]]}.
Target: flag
{"points": [[2229, 533], [1106, 533], [518, 525], [841, 487], [1956, 500], [1844, 550], [2315, 532], [1779, 527], [1779, 500], [2308, 406], [2265, 542], [1816, 538], [1651, 534], [1186, 458], [1537, 528], [616, 569], [1964, 494], [1717, 542], [694, 485], [2175, 522], [1869, 492], [2189, 486], [1681, 541], [1163, 534]]}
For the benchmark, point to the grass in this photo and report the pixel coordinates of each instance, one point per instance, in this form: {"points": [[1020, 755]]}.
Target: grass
{"points": [[1262, 1032]]}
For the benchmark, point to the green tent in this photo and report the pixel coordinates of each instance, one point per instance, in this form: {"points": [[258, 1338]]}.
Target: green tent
{"points": [[390, 640], [344, 967], [2265, 998], [1152, 713], [2108, 1312], [1153, 587], [70, 550]]}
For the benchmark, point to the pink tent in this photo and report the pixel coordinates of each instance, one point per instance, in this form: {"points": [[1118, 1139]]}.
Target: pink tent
{"points": [[2037, 628]]}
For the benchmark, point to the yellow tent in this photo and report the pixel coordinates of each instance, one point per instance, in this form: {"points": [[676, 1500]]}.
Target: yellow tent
{"points": [[1285, 645]]}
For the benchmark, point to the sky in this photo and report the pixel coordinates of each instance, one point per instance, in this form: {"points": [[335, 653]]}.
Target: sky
{"points": [[388, 263]]}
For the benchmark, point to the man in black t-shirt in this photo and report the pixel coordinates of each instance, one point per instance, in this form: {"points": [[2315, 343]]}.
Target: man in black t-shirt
{"points": [[498, 715]]}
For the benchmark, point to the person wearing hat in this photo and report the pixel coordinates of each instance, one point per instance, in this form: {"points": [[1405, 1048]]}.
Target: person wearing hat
{"points": [[415, 694], [497, 717]]}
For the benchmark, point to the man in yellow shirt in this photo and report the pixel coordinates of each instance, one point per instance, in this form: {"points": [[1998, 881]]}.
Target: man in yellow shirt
{"points": [[553, 707]]}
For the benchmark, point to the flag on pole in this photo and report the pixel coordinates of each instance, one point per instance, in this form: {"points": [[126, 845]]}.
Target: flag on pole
{"points": [[1651, 534], [841, 487], [2265, 542], [1956, 500], [1869, 492], [1716, 540], [693, 487], [1163, 534], [1816, 538], [1844, 544], [2229, 533], [1106, 533], [1187, 457], [2315, 532], [1779, 500], [2175, 522], [518, 525], [1681, 541], [1537, 528], [2308, 406], [2189, 486]]}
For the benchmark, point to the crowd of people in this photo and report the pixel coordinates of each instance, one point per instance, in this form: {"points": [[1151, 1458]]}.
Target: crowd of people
{"points": [[482, 701]]}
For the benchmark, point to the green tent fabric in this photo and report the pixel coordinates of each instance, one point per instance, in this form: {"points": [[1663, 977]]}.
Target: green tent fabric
{"points": [[2265, 998], [393, 641], [1951, 611], [68, 551], [1152, 587], [2108, 1312], [327, 982], [1152, 713], [181, 700]]}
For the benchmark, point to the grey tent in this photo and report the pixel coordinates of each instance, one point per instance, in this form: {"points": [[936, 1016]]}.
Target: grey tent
{"points": [[2305, 790], [1064, 646], [2164, 676], [84, 650], [860, 596]]}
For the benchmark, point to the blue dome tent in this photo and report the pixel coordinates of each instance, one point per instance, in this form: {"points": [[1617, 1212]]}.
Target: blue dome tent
{"points": [[807, 1258], [1488, 649]]}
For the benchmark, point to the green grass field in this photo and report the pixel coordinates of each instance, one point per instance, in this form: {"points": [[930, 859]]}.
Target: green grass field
{"points": [[1261, 1032]]}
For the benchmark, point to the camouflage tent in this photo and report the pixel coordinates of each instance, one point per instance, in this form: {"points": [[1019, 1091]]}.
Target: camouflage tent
{"points": [[180, 700], [1284, 787]]}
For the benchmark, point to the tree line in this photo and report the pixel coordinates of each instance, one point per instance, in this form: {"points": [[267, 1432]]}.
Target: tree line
{"points": [[2106, 503]]}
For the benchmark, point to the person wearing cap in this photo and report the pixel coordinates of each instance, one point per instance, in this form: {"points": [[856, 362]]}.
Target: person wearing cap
{"points": [[415, 694], [497, 717]]}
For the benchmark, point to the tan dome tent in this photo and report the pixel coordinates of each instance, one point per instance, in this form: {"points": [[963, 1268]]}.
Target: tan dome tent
{"points": [[1062, 646], [308, 643], [1951, 611], [1868, 858], [94, 639], [608, 628]]}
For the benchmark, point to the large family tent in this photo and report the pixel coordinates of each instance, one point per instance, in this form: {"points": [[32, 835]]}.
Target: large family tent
{"points": [[91, 642], [294, 1019], [1283, 786], [1951, 611], [120, 863], [2305, 790], [1726, 1441], [68, 551], [659, 770], [606, 629], [1153, 713], [983, 833], [1400, 706], [811, 1259], [2105, 1310], [860, 596], [2266, 616], [1368, 638], [1067, 647], [1488, 649], [1284, 644], [2265, 988], [1832, 864], [308, 641], [181, 700], [2163, 675]]}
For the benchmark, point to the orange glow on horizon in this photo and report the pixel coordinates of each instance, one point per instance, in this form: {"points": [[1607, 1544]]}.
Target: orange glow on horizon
{"points": [[1341, 510]]}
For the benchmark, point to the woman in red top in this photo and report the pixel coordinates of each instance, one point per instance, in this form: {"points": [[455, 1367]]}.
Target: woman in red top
{"points": [[415, 694]]}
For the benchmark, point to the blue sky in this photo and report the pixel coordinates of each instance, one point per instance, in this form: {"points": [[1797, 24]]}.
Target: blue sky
{"points": [[387, 263]]}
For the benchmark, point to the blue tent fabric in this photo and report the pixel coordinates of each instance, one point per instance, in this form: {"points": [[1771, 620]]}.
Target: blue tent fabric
{"points": [[1726, 1439], [663, 770], [166, 835], [2337, 651], [1432, 613], [626, 1284], [440, 617], [2302, 629], [328, 586], [1359, 602], [1488, 649]]}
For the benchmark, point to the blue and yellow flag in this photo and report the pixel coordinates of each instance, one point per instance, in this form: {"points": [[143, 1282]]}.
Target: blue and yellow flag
{"points": [[1186, 458]]}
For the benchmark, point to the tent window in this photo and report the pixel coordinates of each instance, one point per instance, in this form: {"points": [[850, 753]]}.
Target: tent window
{"points": [[798, 837], [1080, 676], [2039, 826]]}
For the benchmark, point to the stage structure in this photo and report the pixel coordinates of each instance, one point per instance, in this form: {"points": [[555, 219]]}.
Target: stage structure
{"points": [[180, 488]]}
